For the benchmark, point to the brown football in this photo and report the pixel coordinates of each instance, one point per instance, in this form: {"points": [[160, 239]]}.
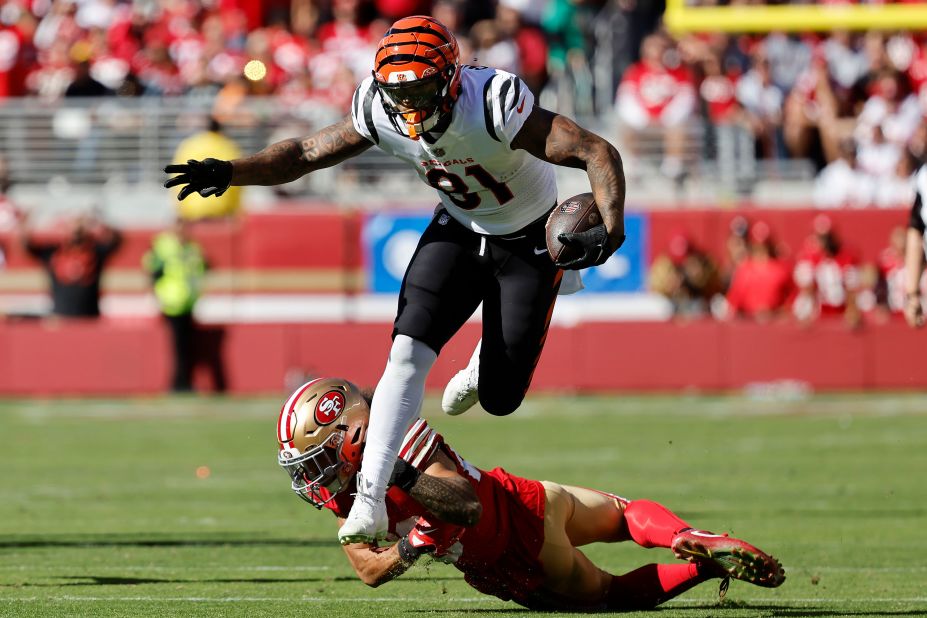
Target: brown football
{"points": [[577, 214]]}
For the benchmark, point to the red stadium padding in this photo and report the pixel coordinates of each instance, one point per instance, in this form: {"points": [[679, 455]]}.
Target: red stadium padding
{"points": [[112, 357], [311, 236]]}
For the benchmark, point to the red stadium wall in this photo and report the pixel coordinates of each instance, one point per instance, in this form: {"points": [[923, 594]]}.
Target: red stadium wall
{"points": [[319, 249], [132, 357], [314, 249]]}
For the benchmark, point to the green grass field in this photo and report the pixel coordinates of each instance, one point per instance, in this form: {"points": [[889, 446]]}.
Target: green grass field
{"points": [[102, 512]]}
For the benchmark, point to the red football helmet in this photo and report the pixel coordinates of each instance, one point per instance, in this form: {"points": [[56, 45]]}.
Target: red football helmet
{"points": [[417, 72], [321, 432]]}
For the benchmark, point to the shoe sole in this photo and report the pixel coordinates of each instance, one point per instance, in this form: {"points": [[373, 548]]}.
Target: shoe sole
{"points": [[456, 407], [459, 407], [738, 560]]}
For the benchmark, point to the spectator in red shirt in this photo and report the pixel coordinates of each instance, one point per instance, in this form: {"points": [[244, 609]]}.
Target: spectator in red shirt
{"points": [[827, 276], [658, 92], [761, 285]]}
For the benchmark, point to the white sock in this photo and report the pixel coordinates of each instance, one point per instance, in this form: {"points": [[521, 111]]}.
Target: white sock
{"points": [[396, 403]]}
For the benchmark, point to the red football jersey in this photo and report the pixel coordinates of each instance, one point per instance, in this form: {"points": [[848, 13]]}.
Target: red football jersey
{"points": [[654, 89], [500, 553], [832, 277]]}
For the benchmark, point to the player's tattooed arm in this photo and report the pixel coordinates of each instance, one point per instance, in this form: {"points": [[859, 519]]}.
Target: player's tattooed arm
{"points": [[374, 565], [290, 159], [440, 489], [558, 140]]}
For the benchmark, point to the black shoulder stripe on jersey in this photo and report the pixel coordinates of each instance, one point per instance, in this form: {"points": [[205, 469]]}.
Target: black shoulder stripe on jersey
{"points": [[487, 110], [419, 29], [354, 107], [517, 93], [368, 113], [504, 90], [406, 58], [916, 220]]}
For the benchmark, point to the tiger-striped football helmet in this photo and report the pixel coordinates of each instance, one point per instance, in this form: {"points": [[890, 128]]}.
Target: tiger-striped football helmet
{"points": [[321, 432], [417, 73]]}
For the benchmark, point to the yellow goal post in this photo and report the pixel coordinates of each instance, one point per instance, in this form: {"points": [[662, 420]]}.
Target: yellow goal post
{"points": [[681, 18]]}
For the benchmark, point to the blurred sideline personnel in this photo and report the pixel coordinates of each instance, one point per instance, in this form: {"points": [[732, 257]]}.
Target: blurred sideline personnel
{"points": [[176, 265], [475, 135], [914, 252], [521, 536], [209, 143], [75, 264]]}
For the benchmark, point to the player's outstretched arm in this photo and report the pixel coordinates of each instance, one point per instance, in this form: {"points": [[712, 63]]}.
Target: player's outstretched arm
{"points": [[277, 164], [558, 140], [374, 565], [293, 158]]}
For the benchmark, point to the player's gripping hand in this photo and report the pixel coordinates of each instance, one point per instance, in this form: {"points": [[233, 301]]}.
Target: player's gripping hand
{"points": [[593, 242], [438, 539], [206, 177]]}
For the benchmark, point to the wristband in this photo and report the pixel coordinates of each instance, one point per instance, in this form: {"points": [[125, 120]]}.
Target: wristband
{"points": [[407, 553], [404, 475]]}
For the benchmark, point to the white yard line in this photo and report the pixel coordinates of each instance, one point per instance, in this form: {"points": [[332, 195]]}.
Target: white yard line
{"points": [[142, 567], [280, 567], [443, 599]]}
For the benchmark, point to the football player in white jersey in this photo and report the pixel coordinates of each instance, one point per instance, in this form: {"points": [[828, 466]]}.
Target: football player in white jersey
{"points": [[914, 252], [475, 134]]}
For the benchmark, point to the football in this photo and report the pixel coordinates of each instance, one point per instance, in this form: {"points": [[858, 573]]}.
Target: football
{"points": [[576, 214]]}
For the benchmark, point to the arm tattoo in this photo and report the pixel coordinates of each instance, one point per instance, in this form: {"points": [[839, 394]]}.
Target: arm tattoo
{"points": [[449, 499], [558, 140], [290, 159]]}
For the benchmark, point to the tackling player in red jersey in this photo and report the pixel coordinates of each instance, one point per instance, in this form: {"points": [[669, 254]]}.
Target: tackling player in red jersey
{"points": [[521, 538], [474, 134]]}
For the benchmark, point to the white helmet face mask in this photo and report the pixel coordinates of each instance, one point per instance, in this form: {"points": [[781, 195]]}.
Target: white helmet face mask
{"points": [[315, 473]]}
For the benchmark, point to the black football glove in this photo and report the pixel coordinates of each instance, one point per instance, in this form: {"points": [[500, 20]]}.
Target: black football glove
{"points": [[593, 242], [206, 177]]}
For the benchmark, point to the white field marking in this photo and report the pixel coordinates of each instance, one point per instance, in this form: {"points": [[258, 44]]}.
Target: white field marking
{"points": [[444, 600], [797, 601], [141, 567], [151, 599], [734, 406], [273, 567]]}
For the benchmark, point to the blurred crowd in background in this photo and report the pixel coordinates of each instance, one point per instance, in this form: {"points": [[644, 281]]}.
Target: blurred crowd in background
{"points": [[852, 103], [760, 278]]}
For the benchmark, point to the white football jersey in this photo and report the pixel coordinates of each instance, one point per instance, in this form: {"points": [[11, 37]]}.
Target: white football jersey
{"points": [[483, 183]]}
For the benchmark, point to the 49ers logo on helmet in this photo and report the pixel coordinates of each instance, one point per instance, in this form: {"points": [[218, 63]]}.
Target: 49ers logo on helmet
{"points": [[330, 406]]}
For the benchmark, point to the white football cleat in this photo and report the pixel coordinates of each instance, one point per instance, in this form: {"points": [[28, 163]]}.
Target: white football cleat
{"points": [[462, 392], [367, 522]]}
